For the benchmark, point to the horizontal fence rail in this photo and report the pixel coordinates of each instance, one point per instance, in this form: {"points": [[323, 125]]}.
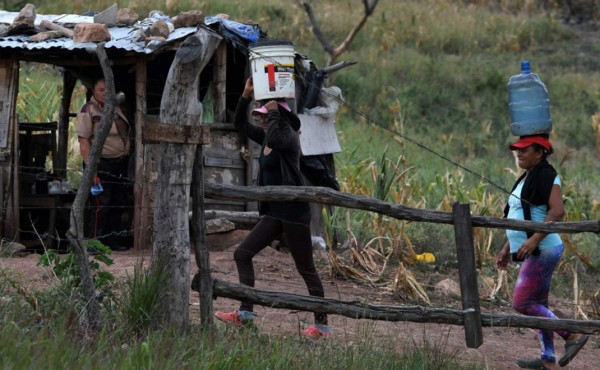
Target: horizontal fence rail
{"points": [[362, 310], [346, 200]]}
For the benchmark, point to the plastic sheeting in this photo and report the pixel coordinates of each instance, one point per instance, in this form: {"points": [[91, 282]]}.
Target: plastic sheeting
{"points": [[234, 30]]}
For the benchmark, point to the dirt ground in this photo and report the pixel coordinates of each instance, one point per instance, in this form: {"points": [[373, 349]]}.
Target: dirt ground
{"points": [[275, 271]]}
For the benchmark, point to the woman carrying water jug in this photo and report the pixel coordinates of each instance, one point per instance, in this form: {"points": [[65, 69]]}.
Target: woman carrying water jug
{"points": [[536, 196]]}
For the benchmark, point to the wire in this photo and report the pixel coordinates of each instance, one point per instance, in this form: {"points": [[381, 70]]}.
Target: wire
{"points": [[378, 124]]}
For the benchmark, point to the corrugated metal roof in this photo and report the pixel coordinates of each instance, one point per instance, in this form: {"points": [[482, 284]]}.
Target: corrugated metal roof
{"points": [[123, 38], [8, 18]]}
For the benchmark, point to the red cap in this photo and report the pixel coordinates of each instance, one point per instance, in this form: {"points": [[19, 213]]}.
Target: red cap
{"points": [[527, 141], [264, 110]]}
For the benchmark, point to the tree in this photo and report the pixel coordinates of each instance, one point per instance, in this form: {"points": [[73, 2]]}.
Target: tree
{"points": [[335, 52]]}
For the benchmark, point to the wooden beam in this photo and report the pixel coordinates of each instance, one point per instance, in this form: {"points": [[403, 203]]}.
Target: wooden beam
{"points": [[140, 187], [398, 211], [219, 83], [73, 59], [360, 310], [245, 218], [69, 82], [9, 145], [156, 132], [200, 245], [463, 234]]}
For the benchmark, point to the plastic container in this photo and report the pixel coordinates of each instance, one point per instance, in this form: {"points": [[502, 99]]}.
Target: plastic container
{"points": [[96, 189], [528, 103], [272, 65]]}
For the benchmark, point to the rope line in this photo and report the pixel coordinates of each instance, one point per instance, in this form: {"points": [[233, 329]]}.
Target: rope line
{"points": [[380, 125]]}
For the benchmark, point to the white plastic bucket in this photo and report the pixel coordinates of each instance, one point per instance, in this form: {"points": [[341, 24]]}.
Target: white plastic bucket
{"points": [[272, 64]]}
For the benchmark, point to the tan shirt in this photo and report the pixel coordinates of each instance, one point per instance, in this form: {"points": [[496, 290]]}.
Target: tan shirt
{"points": [[117, 143]]}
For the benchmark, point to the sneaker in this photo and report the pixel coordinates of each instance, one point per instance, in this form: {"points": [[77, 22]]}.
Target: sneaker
{"points": [[317, 331], [233, 318]]}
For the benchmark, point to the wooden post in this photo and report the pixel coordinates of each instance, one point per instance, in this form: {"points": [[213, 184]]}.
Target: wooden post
{"points": [[220, 84], [9, 135], [60, 162], [200, 245], [179, 105], [140, 188], [463, 232]]}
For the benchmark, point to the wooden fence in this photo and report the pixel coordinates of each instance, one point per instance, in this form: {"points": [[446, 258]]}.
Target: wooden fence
{"points": [[470, 316]]}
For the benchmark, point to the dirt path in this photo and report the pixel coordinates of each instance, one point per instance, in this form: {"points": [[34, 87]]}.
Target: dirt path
{"points": [[276, 271]]}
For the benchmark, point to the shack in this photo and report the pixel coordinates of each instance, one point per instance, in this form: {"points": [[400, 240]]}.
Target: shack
{"points": [[35, 203]]}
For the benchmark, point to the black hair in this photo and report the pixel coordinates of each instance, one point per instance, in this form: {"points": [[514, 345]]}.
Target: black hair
{"points": [[90, 90], [546, 152]]}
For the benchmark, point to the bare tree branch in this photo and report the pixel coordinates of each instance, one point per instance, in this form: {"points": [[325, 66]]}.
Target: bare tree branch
{"points": [[338, 66], [352, 34], [334, 53], [316, 29]]}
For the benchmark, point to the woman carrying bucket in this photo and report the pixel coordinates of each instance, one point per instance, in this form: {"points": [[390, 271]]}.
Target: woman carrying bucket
{"points": [[279, 165]]}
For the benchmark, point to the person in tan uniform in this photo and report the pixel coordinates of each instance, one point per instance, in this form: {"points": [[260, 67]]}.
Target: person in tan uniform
{"points": [[107, 207]]}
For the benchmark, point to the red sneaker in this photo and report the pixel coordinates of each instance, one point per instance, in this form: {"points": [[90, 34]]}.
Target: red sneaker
{"points": [[233, 318], [314, 331]]}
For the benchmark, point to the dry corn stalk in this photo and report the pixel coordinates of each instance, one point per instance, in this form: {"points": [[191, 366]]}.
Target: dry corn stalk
{"points": [[595, 302], [405, 286], [367, 259], [577, 296], [501, 284], [571, 247], [337, 268]]}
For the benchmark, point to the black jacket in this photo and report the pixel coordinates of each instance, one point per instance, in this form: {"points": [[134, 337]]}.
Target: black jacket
{"points": [[281, 135]]}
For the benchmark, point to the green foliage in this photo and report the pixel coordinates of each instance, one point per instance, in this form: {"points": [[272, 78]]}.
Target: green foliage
{"points": [[65, 268]]}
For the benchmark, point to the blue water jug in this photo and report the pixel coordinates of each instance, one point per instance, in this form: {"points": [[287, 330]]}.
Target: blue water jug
{"points": [[528, 103]]}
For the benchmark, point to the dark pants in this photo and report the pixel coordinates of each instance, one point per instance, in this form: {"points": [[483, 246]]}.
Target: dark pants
{"points": [[297, 235], [107, 208]]}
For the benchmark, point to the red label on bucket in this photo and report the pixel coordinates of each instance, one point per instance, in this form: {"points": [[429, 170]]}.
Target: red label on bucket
{"points": [[278, 68], [271, 73]]}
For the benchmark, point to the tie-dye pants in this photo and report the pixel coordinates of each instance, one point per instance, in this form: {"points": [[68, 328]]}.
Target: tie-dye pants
{"points": [[531, 294]]}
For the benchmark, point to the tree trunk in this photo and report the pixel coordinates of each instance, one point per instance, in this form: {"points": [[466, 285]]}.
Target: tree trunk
{"points": [[75, 233], [179, 105]]}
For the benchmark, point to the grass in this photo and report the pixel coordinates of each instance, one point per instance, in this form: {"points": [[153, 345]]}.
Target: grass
{"points": [[57, 339]]}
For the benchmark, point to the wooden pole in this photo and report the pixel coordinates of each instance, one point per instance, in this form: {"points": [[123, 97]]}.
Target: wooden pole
{"points": [[60, 161], [463, 233], [358, 309], [140, 187], [9, 139], [329, 196], [179, 105], [200, 245], [220, 84]]}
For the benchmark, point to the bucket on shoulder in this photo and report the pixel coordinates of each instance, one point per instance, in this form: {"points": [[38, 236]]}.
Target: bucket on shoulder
{"points": [[272, 64]]}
